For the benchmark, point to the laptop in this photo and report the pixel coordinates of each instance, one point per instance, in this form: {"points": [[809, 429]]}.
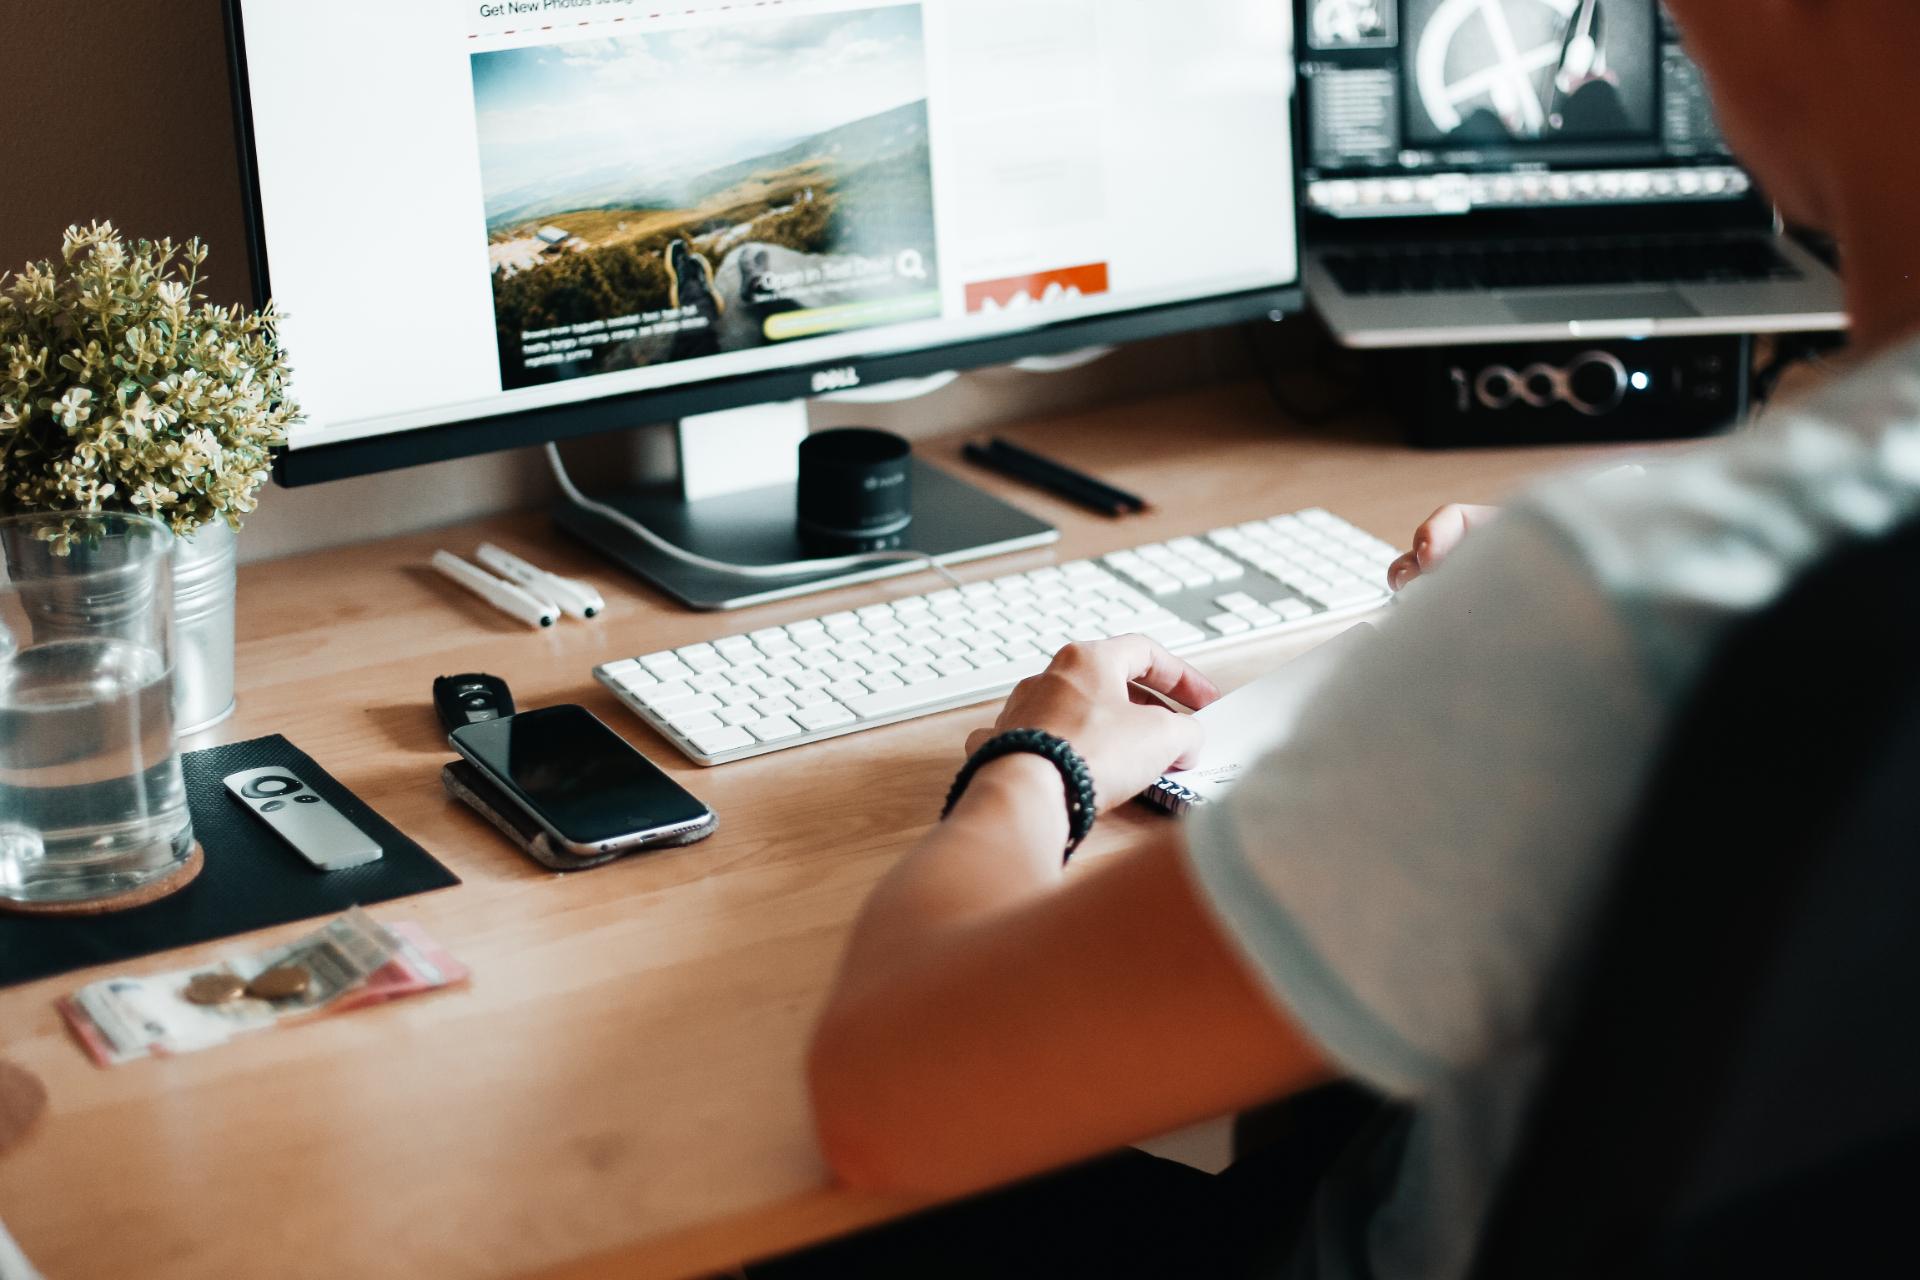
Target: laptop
{"points": [[1482, 171]]}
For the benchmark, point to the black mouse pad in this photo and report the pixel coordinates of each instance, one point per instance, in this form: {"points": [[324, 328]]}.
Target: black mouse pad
{"points": [[252, 879]]}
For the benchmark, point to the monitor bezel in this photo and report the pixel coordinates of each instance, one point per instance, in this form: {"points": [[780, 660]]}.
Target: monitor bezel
{"points": [[623, 411]]}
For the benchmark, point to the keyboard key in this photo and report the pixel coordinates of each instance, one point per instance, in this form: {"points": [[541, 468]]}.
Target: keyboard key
{"points": [[739, 715], [716, 742], [774, 706], [1351, 591], [636, 679], [774, 729], [666, 693], [1176, 634], [810, 698], [666, 666], [692, 724], [953, 688], [829, 716], [1229, 624]]}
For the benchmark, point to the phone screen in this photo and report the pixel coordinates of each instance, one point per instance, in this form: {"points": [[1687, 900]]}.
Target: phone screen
{"points": [[578, 776]]}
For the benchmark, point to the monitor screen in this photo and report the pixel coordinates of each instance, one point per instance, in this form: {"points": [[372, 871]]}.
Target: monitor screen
{"points": [[489, 212], [1437, 107]]}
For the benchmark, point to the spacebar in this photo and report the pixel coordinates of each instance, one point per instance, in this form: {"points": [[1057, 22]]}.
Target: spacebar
{"points": [[977, 684]]}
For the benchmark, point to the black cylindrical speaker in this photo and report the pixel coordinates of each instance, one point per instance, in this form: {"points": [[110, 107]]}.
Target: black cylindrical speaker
{"points": [[856, 490]]}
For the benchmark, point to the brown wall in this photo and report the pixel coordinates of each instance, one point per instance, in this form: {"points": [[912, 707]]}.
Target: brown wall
{"points": [[119, 109]]}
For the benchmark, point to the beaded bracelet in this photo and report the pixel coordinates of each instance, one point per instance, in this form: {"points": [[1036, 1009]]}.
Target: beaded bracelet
{"points": [[1074, 774]]}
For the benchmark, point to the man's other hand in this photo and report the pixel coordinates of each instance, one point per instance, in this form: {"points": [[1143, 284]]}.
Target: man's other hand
{"points": [[1435, 540]]}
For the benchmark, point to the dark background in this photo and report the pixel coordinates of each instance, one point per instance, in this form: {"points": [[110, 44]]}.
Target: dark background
{"points": [[120, 110]]}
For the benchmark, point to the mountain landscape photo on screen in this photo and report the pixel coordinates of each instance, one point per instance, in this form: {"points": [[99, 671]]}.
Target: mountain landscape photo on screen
{"points": [[667, 196]]}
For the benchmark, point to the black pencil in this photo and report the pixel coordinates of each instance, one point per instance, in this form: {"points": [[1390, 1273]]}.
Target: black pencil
{"points": [[1023, 464]]}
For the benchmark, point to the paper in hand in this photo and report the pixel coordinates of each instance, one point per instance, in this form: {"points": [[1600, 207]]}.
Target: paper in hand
{"points": [[1251, 721]]}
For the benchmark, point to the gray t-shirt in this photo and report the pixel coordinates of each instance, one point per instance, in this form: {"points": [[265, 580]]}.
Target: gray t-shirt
{"points": [[1414, 873]]}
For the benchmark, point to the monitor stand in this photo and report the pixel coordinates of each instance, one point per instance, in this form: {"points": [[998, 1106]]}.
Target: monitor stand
{"points": [[735, 502]]}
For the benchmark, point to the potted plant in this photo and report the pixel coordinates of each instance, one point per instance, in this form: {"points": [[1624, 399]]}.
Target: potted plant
{"points": [[121, 389]]}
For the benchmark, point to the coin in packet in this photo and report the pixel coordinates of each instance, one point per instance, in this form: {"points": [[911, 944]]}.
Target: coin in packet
{"points": [[214, 988], [282, 983]]}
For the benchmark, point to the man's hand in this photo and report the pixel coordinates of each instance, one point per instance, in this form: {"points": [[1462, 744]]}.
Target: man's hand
{"points": [[1095, 696], [1435, 540]]}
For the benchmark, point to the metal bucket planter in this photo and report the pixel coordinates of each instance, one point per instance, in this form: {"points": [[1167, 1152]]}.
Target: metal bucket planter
{"points": [[204, 582]]}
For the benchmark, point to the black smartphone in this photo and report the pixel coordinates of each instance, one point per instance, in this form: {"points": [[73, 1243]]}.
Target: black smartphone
{"points": [[590, 792]]}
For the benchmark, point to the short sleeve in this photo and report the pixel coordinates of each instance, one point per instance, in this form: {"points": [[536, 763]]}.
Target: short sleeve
{"points": [[1409, 871]]}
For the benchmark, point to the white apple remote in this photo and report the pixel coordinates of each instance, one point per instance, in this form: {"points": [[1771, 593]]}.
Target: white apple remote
{"points": [[317, 831]]}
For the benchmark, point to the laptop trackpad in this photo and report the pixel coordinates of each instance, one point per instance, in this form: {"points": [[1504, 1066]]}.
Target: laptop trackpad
{"points": [[1639, 304]]}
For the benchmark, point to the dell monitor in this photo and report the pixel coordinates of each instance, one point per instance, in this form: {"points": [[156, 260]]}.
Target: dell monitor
{"points": [[491, 225]]}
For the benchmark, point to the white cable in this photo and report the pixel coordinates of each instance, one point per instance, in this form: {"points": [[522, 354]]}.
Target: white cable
{"points": [[794, 568]]}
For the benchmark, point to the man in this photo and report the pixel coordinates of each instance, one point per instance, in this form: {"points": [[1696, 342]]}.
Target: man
{"points": [[1392, 899]]}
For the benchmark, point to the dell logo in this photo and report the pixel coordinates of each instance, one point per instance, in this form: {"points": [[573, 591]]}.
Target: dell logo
{"points": [[839, 379]]}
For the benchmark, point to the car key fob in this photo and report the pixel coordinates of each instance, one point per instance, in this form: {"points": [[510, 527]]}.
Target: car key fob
{"points": [[317, 831], [471, 699]]}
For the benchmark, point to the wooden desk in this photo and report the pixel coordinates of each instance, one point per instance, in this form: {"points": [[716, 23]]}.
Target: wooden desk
{"points": [[619, 1092]]}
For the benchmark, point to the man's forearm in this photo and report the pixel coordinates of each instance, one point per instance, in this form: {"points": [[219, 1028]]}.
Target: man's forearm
{"points": [[1001, 846]]}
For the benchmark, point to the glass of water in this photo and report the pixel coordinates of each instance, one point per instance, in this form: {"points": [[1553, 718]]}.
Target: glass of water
{"points": [[91, 799]]}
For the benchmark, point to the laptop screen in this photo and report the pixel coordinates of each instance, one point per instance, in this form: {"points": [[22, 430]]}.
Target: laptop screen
{"points": [[1417, 108]]}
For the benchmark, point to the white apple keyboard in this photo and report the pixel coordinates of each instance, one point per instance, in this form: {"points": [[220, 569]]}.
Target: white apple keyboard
{"points": [[780, 687]]}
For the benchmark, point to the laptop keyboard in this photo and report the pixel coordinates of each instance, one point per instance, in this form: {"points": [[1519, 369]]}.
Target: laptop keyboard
{"points": [[1462, 268]]}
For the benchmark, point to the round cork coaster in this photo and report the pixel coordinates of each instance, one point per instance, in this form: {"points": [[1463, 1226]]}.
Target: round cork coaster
{"points": [[188, 872], [22, 1099]]}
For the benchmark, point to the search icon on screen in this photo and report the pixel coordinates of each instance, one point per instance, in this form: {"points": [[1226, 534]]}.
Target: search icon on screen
{"points": [[911, 264]]}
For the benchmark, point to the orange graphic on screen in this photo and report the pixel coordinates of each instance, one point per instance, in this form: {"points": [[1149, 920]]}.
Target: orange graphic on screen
{"points": [[1037, 289]]}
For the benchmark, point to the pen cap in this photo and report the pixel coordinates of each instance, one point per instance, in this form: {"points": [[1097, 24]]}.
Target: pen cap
{"points": [[856, 489]]}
